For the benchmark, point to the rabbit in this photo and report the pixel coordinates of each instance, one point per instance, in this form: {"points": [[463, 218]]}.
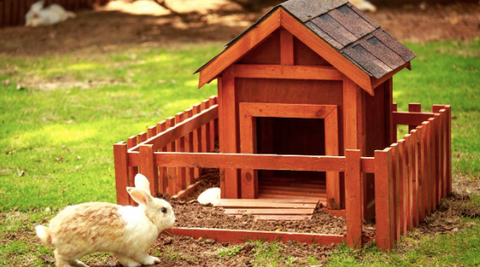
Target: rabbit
{"points": [[126, 231], [38, 16], [211, 195], [364, 5]]}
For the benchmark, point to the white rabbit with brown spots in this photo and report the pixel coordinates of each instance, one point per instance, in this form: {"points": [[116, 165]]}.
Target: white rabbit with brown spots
{"points": [[126, 231]]}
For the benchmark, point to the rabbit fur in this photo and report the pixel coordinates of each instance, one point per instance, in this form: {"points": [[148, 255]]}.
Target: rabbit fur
{"points": [[364, 5], [126, 231], [211, 195], [39, 16]]}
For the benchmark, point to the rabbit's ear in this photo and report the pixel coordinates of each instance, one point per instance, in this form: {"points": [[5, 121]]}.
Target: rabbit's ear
{"points": [[141, 182], [139, 195]]}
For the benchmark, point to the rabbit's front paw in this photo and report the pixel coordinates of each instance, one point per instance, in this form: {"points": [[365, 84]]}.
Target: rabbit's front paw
{"points": [[150, 260]]}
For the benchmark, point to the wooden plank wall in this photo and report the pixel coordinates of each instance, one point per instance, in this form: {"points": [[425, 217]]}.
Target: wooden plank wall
{"points": [[12, 12]]}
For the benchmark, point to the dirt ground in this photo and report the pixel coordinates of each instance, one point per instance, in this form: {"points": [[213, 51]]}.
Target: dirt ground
{"points": [[111, 28], [144, 23]]}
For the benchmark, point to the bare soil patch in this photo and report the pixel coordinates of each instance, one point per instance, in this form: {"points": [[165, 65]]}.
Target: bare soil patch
{"points": [[187, 251], [110, 28]]}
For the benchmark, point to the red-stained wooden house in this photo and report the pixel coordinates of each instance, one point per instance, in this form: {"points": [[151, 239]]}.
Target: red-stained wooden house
{"points": [[308, 78], [304, 114]]}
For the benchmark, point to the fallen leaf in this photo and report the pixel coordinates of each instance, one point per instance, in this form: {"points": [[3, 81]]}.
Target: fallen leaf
{"points": [[21, 173], [59, 159], [7, 83], [78, 157], [454, 20], [68, 122]]}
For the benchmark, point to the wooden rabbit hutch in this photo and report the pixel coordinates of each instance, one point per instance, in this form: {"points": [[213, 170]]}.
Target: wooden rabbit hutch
{"points": [[304, 115]]}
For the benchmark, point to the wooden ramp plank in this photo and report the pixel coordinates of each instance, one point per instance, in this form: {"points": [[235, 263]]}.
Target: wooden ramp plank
{"points": [[269, 211], [282, 217], [307, 201], [266, 205]]}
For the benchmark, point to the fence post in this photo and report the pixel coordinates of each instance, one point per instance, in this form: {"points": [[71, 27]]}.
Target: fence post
{"points": [[384, 203], [414, 107], [353, 197], [148, 167], [120, 157]]}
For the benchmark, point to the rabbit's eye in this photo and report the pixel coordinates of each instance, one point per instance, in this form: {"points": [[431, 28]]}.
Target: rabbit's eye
{"points": [[164, 210]]}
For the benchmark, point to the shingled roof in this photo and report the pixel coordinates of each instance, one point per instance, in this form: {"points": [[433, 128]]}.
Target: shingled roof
{"points": [[349, 31]]}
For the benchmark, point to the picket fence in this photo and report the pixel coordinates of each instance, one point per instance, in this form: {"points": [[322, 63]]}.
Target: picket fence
{"points": [[411, 176]]}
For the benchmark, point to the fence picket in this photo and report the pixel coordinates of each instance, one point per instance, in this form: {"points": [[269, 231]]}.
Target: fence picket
{"points": [[211, 125], [205, 129], [197, 139], [449, 148], [148, 167], [403, 185], [384, 203], [434, 161], [151, 131], [181, 182], [190, 175], [426, 168], [163, 183], [171, 171], [396, 189], [408, 177], [444, 156], [142, 137], [421, 172], [415, 178], [132, 171]]}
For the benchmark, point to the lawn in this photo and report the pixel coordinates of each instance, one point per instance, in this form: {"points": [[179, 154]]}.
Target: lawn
{"points": [[60, 116]]}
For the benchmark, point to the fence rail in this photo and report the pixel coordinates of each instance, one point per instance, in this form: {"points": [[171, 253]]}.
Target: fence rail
{"points": [[411, 176]]}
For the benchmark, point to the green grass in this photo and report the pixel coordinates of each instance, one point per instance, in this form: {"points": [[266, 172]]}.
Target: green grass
{"points": [[62, 138], [61, 115]]}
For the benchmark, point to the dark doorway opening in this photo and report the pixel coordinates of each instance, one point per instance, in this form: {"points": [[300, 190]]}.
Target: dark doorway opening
{"points": [[290, 136]]}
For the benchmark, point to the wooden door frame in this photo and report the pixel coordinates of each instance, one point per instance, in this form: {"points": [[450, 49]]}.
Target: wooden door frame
{"points": [[248, 111]]}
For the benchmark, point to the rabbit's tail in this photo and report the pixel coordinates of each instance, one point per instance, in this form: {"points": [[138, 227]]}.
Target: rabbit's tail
{"points": [[43, 234]]}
